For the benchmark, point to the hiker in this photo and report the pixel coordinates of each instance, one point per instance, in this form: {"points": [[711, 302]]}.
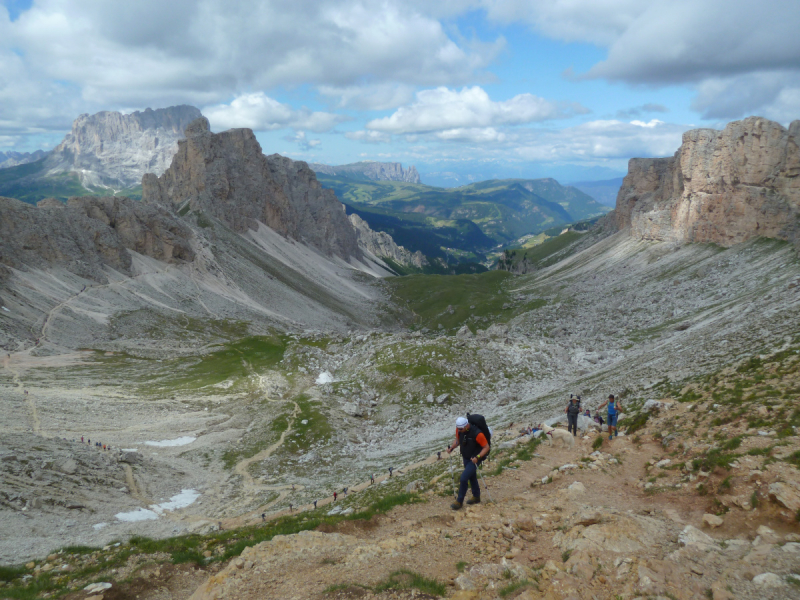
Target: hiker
{"points": [[263, 517], [390, 471], [614, 408], [290, 507], [292, 487], [345, 491], [371, 478], [334, 496], [588, 413], [573, 410], [81, 439], [474, 448], [315, 504], [598, 419], [439, 455]]}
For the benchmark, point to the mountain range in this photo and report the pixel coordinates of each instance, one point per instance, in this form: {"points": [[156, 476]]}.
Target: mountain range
{"points": [[369, 170]]}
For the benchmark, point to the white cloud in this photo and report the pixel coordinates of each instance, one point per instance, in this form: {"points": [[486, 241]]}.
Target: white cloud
{"points": [[381, 96], [443, 109], [716, 45], [371, 137], [260, 112], [302, 140]]}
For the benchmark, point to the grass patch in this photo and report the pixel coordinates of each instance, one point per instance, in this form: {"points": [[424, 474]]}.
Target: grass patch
{"points": [[406, 580], [597, 443], [516, 586], [9, 574], [634, 423], [733, 443], [461, 566], [713, 459]]}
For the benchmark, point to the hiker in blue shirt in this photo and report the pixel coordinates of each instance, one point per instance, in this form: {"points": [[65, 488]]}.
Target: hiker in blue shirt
{"points": [[614, 408]]}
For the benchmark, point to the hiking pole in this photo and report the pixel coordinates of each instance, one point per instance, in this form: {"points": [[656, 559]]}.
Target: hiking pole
{"points": [[486, 487], [453, 480]]}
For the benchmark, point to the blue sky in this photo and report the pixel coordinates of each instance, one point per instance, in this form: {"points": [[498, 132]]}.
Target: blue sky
{"points": [[463, 89]]}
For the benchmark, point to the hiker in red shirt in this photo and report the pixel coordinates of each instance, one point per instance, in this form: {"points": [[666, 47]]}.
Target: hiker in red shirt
{"points": [[474, 448]]}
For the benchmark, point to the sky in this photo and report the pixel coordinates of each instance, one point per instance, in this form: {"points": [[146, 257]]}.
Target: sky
{"points": [[463, 89]]}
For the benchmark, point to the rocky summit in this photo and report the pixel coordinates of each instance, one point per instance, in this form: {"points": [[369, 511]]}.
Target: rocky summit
{"points": [[723, 187], [112, 150], [226, 176]]}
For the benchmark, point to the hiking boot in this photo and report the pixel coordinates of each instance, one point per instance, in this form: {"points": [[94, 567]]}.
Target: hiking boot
{"points": [[474, 500], [456, 505]]}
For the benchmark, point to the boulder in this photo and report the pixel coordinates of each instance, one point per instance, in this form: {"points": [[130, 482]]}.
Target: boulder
{"points": [[785, 496], [712, 521]]}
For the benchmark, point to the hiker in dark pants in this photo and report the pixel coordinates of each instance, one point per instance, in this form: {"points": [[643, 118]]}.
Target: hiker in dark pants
{"points": [[334, 496], [474, 448], [573, 410], [315, 504], [263, 517]]}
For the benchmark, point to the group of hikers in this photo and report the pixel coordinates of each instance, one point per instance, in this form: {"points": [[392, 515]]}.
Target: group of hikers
{"points": [[574, 410], [98, 445], [473, 437]]}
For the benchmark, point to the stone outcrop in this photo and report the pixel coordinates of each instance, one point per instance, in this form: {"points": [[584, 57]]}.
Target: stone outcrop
{"points": [[721, 186], [226, 176], [86, 233], [12, 159], [369, 169], [382, 245], [109, 149]]}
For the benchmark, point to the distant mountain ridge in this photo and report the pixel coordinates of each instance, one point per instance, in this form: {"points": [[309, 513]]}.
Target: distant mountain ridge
{"points": [[105, 153], [371, 170], [12, 159]]}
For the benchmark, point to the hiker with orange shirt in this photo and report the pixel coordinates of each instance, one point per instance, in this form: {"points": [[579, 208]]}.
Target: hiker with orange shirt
{"points": [[474, 448]]}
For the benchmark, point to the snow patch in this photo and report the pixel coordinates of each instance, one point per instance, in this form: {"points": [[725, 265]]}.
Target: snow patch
{"points": [[324, 377], [181, 441], [140, 514], [97, 526], [182, 500]]}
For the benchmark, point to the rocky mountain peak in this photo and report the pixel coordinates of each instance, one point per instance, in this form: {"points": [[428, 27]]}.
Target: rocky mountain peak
{"points": [[109, 149], [370, 169], [226, 176], [723, 187]]}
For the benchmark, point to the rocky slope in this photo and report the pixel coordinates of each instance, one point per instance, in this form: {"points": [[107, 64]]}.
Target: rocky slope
{"points": [[87, 234], [109, 149], [12, 159], [721, 186], [226, 176], [368, 169], [382, 245]]}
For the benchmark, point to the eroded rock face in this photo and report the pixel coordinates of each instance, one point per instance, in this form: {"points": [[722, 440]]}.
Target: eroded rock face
{"points": [[112, 149], [226, 176], [723, 187], [86, 233], [382, 245]]}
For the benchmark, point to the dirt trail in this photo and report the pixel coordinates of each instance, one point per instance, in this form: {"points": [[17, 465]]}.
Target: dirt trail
{"points": [[36, 424], [133, 487]]}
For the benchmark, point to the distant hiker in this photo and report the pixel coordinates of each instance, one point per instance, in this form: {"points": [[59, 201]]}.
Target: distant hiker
{"points": [[290, 507], [263, 517], [104, 446], [292, 487], [315, 504], [474, 448], [390, 471], [573, 410], [614, 408], [371, 478], [220, 525], [345, 491], [334, 496], [81, 439], [588, 413], [598, 419], [439, 455]]}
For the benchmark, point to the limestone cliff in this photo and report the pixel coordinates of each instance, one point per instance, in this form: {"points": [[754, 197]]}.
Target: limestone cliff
{"points": [[382, 245], [721, 186], [85, 234], [369, 169], [110, 149], [226, 176]]}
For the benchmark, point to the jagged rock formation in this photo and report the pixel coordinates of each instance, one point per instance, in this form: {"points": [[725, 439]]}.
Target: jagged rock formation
{"points": [[226, 176], [12, 159], [382, 245], [721, 186], [110, 149], [369, 169], [85, 234]]}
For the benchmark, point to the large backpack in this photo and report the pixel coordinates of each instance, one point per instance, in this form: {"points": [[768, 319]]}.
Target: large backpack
{"points": [[480, 422]]}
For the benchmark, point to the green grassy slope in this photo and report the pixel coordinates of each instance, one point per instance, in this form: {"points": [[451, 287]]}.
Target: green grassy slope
{"points": [[27, 183], [502, 210]]}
